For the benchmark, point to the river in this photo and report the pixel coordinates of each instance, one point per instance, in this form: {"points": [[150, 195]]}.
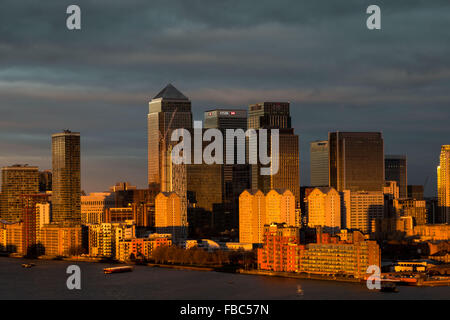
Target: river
{"points": [[47, 280]]}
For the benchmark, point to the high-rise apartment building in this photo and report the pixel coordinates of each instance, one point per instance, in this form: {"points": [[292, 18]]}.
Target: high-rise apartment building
{"points": [[324, 209], [276, 115], [168, 110], [361, 209], [395, 168], [319, 163], [17, 180], [443, 175], [66, 180], [356, 161], [257, 210]]}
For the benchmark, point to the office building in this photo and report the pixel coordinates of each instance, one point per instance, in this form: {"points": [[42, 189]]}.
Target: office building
{"points": [[168, 110], [443, 175], [361, 209], [324, 209], [235, 177], [395, 168], [17, 180], [356, 161], [276, 115], [11, 237], [94, 205], [66, 180], [319, 163]]}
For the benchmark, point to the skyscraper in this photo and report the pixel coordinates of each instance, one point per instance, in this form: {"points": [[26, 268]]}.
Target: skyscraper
{"points": [[235, 177], [168, 110], [66, 180], [17, 180], [443, 174], [395, 168], [356, 161], [319, 163], [361, 209], [276, 115]]}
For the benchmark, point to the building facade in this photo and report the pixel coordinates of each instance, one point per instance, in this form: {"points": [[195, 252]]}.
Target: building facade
{"points": [[360, 210], [257, 209], [395, 167], [66, 179], [168, 110], [168, 217], [319, 162], [324, 209], [93, 206], [282, 252], [443, 175], [356, 161], [17, 180], [276, 115]]}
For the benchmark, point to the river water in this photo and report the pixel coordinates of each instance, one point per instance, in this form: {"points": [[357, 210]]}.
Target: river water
{"points": [[47, 280]]}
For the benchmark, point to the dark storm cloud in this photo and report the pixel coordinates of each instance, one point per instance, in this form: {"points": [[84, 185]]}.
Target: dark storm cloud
{"points": [[316, 54]]}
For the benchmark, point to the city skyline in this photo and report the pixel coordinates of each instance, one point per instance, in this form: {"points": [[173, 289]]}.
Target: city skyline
{"points": [[389, 81]]}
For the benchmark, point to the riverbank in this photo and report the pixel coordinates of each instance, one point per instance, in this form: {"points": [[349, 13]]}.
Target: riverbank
{"points": [[298, 276]]}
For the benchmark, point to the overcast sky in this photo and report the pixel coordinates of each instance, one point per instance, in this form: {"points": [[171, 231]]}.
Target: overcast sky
{"points": [[318, 55]]}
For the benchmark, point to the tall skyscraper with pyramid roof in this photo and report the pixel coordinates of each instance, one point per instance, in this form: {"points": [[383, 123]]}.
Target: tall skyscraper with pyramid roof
{"points": [[168, 110]]}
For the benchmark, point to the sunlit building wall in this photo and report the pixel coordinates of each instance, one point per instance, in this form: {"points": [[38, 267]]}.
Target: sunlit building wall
{"points": [[443, 174], [324, 209], [17, 180]]}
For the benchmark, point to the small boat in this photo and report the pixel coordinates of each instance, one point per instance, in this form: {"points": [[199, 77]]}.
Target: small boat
{"points": [[299, 290], [388, 286], [117, 269], [28, 265]]}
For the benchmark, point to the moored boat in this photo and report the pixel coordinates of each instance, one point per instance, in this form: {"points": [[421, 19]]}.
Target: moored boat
{"points": [[118, 269]]}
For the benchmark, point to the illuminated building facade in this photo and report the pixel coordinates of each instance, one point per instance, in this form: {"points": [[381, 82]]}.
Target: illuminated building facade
{"points": [[324, 209], [443, 175], [17, 180]]}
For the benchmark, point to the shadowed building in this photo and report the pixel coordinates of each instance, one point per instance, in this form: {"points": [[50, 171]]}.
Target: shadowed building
{"points": [[66, 180], [395, 168], [356, 161], [276, 115], [17, 180], [235, 177], [319, 163]]}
